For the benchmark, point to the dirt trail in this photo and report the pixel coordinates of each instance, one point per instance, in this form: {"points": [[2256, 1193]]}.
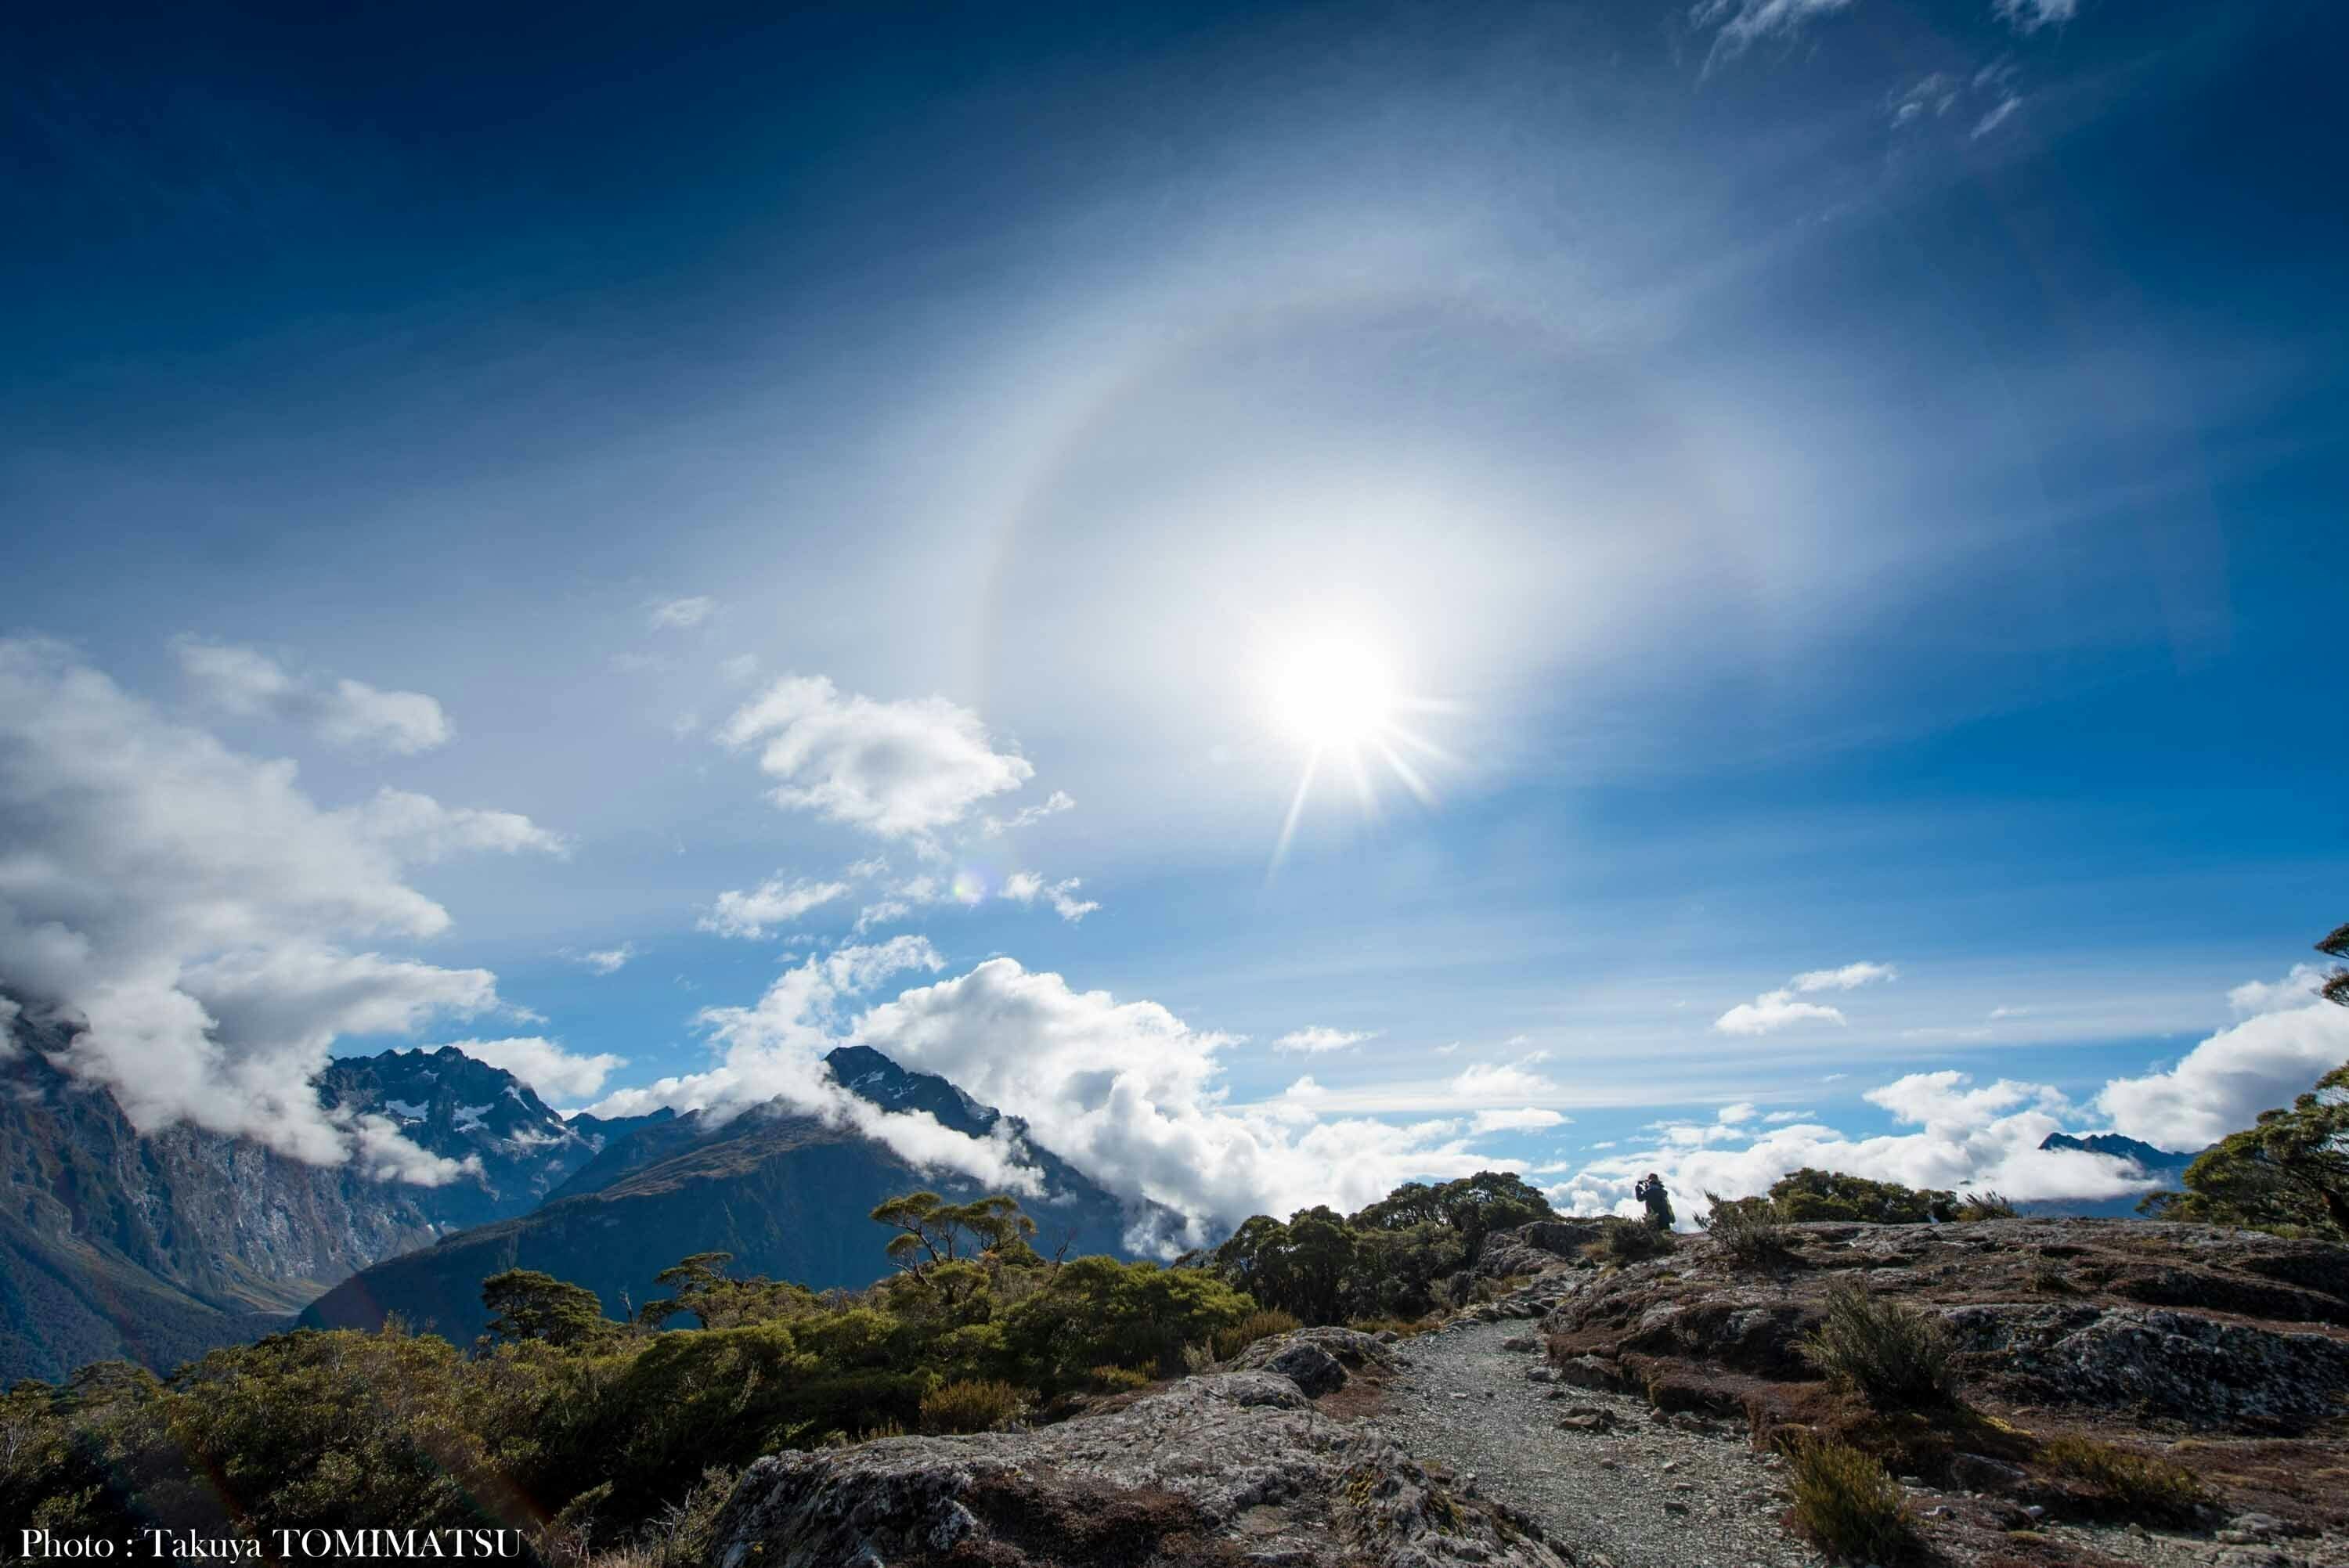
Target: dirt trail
{"points": [[1615, 1489]]}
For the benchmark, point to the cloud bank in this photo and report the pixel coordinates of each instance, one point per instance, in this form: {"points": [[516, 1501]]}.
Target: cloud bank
{"points": [[196, 911]]}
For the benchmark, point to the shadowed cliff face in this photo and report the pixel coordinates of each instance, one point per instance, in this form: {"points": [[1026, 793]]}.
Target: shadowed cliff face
{"points": [[787, 1195], [154, 1248]]}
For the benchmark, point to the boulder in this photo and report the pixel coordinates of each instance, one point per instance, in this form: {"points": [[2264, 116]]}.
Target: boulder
{"points": [[1226, 1467]]}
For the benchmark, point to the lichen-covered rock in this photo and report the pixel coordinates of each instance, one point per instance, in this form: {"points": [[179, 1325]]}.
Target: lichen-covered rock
{"points": [[1349, 1349], [1226, 1467], [2204, 1371], [1530, 1248]]}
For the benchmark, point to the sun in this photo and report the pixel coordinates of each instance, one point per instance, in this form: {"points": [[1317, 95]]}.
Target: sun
{"points": [[1332, 693], [1336, 697]]}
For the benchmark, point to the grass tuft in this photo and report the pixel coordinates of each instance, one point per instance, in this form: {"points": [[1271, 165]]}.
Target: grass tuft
{"points": [[1849, 1504], [2138, 1485], [972, 1405], [1626, 1241], [1749, 1230], [1256, 1325], [1892, 1354]]}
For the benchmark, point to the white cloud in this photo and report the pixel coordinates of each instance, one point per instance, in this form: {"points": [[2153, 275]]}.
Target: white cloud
{"points": [[1027, 887], [1775, 1010], [680, 613], [2223, 1083], [191, 908], [557, 1074], [775, 902], [739, 670], [1524, 1118], [1746, 22], [1314, 1040], [1850, 977], [2029, 15], [1999, 115], [774, 1050], [608, 960], [1779, 1118], [887, 912], [1490, 1081], [1131, 1095], [9, 1012], [897, 769], [423, 829], [1968, 1138], [348, 713], [1936, 94], [1058, 801]]}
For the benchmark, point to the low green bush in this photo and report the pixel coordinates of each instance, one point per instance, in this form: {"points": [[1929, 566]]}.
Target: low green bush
{"points": [[1848, 1505], [968, 1404], [1890, 1354], [2138, 1485]]}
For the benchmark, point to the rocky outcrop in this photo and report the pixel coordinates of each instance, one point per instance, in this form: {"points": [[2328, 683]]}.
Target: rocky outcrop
{"points": [[2175, 1366], [2207, 1328], [1531, 1248], [1226, 1468]]}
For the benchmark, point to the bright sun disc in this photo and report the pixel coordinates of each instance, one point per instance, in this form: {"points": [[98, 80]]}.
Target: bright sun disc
{"points": [[1333, 694]]}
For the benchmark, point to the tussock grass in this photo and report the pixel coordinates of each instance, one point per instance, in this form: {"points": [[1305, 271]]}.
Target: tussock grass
{"points": [[1892, 1354], [1628, 1241], [1987, 1206], [2138, 1485], [1260, 1325], [972, 1405], [1749, 1230], [1848, 1505]]}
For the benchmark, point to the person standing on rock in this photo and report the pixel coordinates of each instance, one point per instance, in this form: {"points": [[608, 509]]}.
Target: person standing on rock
{"points": [[1651, 1191]]}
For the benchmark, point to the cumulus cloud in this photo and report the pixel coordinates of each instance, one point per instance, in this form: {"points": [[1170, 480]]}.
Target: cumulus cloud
{"points": [[2290, 1039], [773, 1051], [1967, 1138], [1314, 1038], [1513, 1081], [557, 1074], [192, 909], [1743, 23], [347, 712], [1132, 1096], [1027, 887], [663, 615], [775, 902], [1779, 1010], [608, 960], [896, 770]]}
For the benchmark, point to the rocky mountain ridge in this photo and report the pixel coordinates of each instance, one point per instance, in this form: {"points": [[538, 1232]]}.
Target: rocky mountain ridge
{"points": [[155, 1247], [787, 1194]]}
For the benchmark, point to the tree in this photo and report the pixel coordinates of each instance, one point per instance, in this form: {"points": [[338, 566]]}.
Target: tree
{"points": [[699, 1284], [1808, 1194], [527, 1305], [2336, 984], [1476, 1206], [933, 1233], [2289, 1173]]}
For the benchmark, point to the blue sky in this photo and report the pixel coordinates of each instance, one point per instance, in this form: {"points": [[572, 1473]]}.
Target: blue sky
{"points": [[1832, 482]]}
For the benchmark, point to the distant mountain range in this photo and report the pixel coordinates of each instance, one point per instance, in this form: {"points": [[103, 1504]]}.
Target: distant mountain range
{"points": [[2154, 1161], [787, 1194], [156, 1248]]}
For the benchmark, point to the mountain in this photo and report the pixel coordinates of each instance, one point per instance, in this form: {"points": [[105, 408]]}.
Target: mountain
{"points": [[2154, 1161], [154, 1248], [787, 1194]]}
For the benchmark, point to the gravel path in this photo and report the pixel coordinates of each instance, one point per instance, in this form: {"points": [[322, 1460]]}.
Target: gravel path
{"points": [[1635, 1492]]}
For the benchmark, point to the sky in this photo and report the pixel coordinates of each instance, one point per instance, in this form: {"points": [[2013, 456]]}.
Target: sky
{"points": [[1300, 596]]}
